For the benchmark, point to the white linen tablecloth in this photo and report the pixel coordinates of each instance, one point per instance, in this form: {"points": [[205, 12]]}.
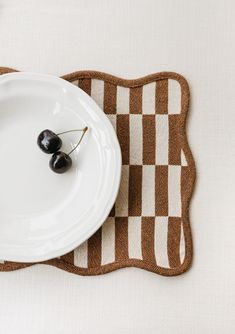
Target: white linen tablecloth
{"points": [[130, 39]]}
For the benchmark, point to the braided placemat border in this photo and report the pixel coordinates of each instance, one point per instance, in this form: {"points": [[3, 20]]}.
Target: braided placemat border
{"points": [[84, 78]]}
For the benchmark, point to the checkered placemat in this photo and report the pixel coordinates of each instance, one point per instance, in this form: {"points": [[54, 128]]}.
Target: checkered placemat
{"points": [[148, 226]]}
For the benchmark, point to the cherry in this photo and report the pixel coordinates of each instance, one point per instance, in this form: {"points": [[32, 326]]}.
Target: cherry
{"points": [[49, 142], [60, 162]]}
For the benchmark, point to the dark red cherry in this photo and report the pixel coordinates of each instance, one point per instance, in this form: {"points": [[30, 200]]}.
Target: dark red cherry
{"points": [[60, 162], [49, 142]]}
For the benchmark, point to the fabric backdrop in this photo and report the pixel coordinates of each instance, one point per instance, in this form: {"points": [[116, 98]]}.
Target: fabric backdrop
{"points": [[132, 38]]}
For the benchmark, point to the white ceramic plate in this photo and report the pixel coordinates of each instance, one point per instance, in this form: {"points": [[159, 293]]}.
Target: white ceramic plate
{"points": [[43, 214]]}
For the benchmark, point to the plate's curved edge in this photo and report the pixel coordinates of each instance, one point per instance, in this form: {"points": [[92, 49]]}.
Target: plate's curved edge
{"points": [[59, 263], [115, 182]]}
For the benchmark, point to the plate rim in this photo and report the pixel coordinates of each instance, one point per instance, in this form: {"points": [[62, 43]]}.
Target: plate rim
{"points": [[117, 178]]}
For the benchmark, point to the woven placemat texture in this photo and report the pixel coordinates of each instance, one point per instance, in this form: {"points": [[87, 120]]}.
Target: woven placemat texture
{"points": [[148, 226]]}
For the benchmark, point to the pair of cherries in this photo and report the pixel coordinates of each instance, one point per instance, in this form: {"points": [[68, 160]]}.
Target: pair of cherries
{"points": [[50, 142]]}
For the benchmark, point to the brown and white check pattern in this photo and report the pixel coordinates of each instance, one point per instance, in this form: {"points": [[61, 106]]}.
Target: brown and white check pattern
{"points": [[148, 226]]}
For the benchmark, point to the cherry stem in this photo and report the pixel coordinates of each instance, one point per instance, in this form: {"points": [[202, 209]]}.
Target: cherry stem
{"points": [[84, 131], [61, 133]]}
